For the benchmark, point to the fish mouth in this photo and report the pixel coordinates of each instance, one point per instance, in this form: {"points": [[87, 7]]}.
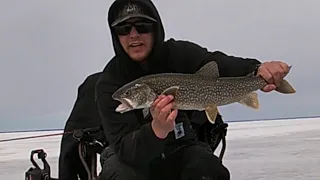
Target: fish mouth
{"points": [[124, 106]]}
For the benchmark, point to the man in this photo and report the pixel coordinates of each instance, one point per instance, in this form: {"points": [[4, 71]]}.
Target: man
{"points": [[148, 146], [84, 115]]}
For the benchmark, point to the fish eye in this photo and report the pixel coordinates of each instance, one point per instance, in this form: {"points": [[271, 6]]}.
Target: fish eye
{"points": [[127, 93]]}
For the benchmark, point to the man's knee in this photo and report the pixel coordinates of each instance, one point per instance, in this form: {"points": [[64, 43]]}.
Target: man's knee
{"points": [[202, 164], [113, 169], [205, 170]]}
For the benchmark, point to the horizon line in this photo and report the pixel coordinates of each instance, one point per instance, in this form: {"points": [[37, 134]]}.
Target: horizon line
{"points": [[244, 120]]}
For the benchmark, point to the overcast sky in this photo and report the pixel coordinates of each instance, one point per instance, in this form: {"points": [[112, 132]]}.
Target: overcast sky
{"points": [[47, 49]]}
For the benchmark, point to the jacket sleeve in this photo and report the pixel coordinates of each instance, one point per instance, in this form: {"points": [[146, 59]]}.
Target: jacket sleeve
{"points": [[133, 143], [195, 56]]}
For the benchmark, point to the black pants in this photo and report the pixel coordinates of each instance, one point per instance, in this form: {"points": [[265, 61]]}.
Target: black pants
{"points": [[196, 162]]}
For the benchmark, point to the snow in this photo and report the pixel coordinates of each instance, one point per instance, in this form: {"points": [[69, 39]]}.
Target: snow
{"points": [[261, 150]]}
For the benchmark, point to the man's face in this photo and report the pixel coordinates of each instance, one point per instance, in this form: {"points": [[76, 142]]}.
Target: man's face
{"points": [[136, 38]]}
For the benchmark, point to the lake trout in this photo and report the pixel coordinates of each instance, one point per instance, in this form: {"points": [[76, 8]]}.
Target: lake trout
{"points": [[203, 90]]}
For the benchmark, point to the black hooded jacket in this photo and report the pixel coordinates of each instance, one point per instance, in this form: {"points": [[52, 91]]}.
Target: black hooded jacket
{"points": [[84, 115], [129, 133]]}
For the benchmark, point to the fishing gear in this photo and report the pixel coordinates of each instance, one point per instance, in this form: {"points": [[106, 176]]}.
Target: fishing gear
{"points": [[36, 173], [87, 147], [33, 137], [213, 135], [218, 134]]}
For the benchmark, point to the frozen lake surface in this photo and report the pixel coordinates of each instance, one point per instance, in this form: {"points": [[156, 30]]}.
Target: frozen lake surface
{"points": [[261, 150]]}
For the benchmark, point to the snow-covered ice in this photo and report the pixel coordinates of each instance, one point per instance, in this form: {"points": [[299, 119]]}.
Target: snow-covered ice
{"points": [[260, 150]]}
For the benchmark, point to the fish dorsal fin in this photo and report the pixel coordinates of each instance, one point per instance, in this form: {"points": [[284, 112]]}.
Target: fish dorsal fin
{"points": [[173, 90], [209, 70]]}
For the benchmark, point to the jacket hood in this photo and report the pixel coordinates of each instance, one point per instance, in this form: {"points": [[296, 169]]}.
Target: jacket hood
{"points": [[155, 62]]}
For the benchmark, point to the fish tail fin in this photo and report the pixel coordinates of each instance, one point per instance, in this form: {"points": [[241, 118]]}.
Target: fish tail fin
{"points": [[250, 100], [285, 88]]}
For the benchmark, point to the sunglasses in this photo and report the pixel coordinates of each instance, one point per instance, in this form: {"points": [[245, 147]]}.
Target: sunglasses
{"points": [[141, 27]]}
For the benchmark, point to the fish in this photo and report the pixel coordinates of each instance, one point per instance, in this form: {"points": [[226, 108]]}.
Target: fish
{"points": [[203, 90]]}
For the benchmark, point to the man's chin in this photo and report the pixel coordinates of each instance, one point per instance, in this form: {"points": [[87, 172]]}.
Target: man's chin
{"points": [[138, 56]]}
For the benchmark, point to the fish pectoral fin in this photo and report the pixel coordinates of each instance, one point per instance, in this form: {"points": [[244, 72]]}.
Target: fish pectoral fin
{"points": [[173, 90], [250, 100], [209, 70], [285, 88], [212, 112]]}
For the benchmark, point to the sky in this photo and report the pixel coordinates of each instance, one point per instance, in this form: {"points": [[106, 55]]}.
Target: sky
{"points": [[48, 48]]}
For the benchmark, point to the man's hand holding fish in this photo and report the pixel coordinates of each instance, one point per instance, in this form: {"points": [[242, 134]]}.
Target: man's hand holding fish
{"points": [[273, 72], [163, 116]]}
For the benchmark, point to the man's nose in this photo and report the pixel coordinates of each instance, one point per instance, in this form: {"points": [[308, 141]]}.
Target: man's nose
{"points": [[134, 32]]}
